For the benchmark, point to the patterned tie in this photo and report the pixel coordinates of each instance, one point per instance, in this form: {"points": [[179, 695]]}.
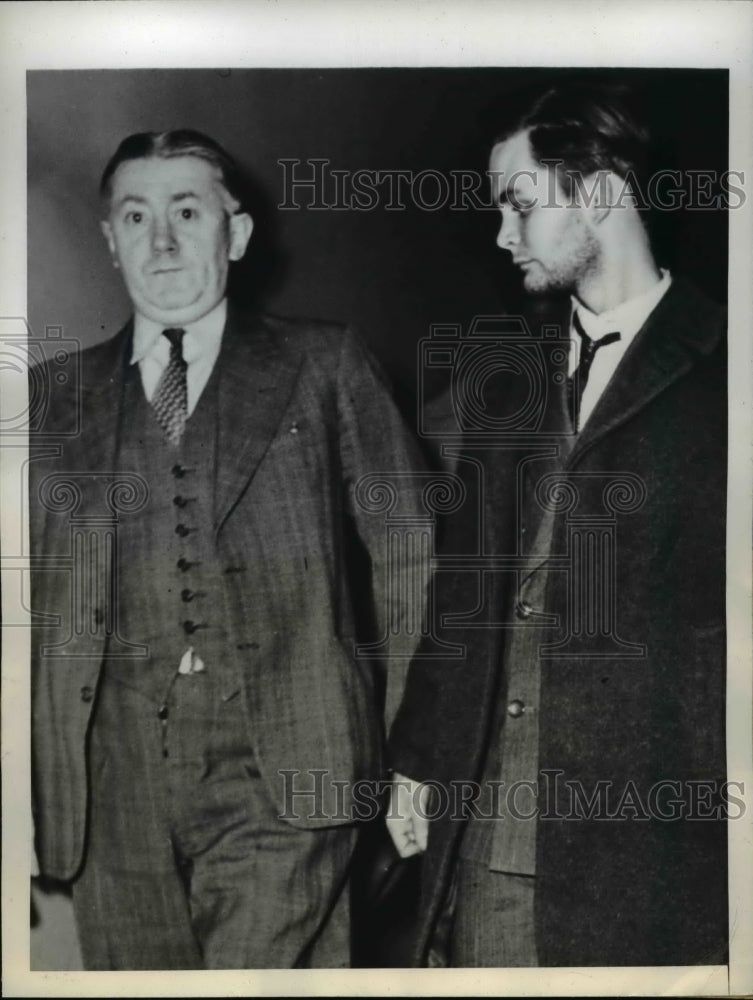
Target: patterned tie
{"points": [[170, 402], [577, 382]]}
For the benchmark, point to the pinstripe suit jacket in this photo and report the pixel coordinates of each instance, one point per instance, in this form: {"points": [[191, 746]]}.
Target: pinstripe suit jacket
{"points": [[302, 416]]}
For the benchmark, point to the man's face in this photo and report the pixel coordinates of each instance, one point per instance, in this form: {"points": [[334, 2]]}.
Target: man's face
{"points": [[548, 235], [170, 231]]}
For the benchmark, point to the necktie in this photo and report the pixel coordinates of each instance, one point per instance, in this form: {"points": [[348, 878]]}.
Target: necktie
{"points": [[576, 383], [170, 402]]}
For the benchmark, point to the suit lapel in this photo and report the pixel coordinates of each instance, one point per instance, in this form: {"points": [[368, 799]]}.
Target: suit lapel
{"points": [[683, 326], [256, 380], [104, 370]]}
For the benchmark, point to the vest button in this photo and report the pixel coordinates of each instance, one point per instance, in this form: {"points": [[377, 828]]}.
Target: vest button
{"points": [[523, 610], [183, 564], [182, 530], [87, 693], [189, 627], [187, 595], [179, 501], [178, 471], [516, 708], [162, 712], [247, 645]]}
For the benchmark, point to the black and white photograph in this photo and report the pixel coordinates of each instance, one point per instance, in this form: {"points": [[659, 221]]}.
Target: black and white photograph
{"points": [[376, 442]]}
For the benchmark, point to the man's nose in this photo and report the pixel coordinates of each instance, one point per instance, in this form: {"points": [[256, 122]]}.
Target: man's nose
{"points": [[163, 236], [509, 233]]}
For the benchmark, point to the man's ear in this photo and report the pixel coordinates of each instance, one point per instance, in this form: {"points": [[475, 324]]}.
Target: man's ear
{"points": [[241, 227], [107, 233], [601, 193]]}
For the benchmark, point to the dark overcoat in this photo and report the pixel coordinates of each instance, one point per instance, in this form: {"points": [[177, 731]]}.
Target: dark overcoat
{"points": [[648, 885]]}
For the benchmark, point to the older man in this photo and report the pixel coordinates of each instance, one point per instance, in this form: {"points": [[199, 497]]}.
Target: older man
{"points": [[199, 715], [586, 712]]}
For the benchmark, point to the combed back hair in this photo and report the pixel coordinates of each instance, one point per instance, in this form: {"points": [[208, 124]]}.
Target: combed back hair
{"points": [[585, 125], [166, 146]]}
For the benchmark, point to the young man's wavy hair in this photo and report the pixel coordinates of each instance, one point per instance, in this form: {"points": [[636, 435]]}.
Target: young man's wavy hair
{"points": [[583, 127]]}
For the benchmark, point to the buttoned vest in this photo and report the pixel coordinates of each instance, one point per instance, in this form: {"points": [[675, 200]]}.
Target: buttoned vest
{"points": [[170, 583]]}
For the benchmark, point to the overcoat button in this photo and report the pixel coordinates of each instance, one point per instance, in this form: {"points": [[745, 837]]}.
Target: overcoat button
{"points": [[178, 471], [523, 610], [87, 693], [182, 530], [187, 595], [189, 627], [516, 708]]}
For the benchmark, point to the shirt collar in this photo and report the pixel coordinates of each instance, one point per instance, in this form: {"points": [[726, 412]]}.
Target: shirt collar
{"points": [[202, 337], [627, 317]]}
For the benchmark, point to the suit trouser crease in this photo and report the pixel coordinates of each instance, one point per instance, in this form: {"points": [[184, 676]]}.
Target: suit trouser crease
{"points": [[187, 864]]}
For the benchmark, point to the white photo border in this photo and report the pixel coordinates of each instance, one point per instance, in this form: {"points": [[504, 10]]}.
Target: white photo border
{"points": [[353, 33]]}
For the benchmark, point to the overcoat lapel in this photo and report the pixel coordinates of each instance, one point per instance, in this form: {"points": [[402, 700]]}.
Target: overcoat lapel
{"points": [[554, 442], [681, 328], [256, 382]]}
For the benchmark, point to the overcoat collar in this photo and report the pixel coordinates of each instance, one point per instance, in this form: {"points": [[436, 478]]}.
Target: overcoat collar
{"points": [[683, 327]]}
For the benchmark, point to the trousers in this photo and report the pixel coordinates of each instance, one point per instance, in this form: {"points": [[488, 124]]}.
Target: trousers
{"points": [[494, 919], [187, 864]]}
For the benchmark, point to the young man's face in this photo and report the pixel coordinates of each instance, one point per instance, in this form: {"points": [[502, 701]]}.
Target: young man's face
{"points": [[547, 234], [170, 231]]}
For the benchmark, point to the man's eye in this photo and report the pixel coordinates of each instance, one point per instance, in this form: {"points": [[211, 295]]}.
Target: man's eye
{"points": [[187, 213], [135, 217]]}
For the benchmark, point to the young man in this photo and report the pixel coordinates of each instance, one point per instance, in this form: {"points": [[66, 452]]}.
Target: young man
{"points": [[200, 717], [589, 700]]}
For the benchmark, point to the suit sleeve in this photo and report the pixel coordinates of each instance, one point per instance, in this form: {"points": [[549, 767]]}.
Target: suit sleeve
{"points": [[385, 476], [453, 677]]}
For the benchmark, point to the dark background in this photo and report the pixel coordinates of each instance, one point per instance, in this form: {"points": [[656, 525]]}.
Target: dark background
{"points": [[390, 273]]}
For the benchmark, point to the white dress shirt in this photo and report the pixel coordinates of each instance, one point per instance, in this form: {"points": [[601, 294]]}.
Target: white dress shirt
{"points": [[201, 346], [627, 318]]}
